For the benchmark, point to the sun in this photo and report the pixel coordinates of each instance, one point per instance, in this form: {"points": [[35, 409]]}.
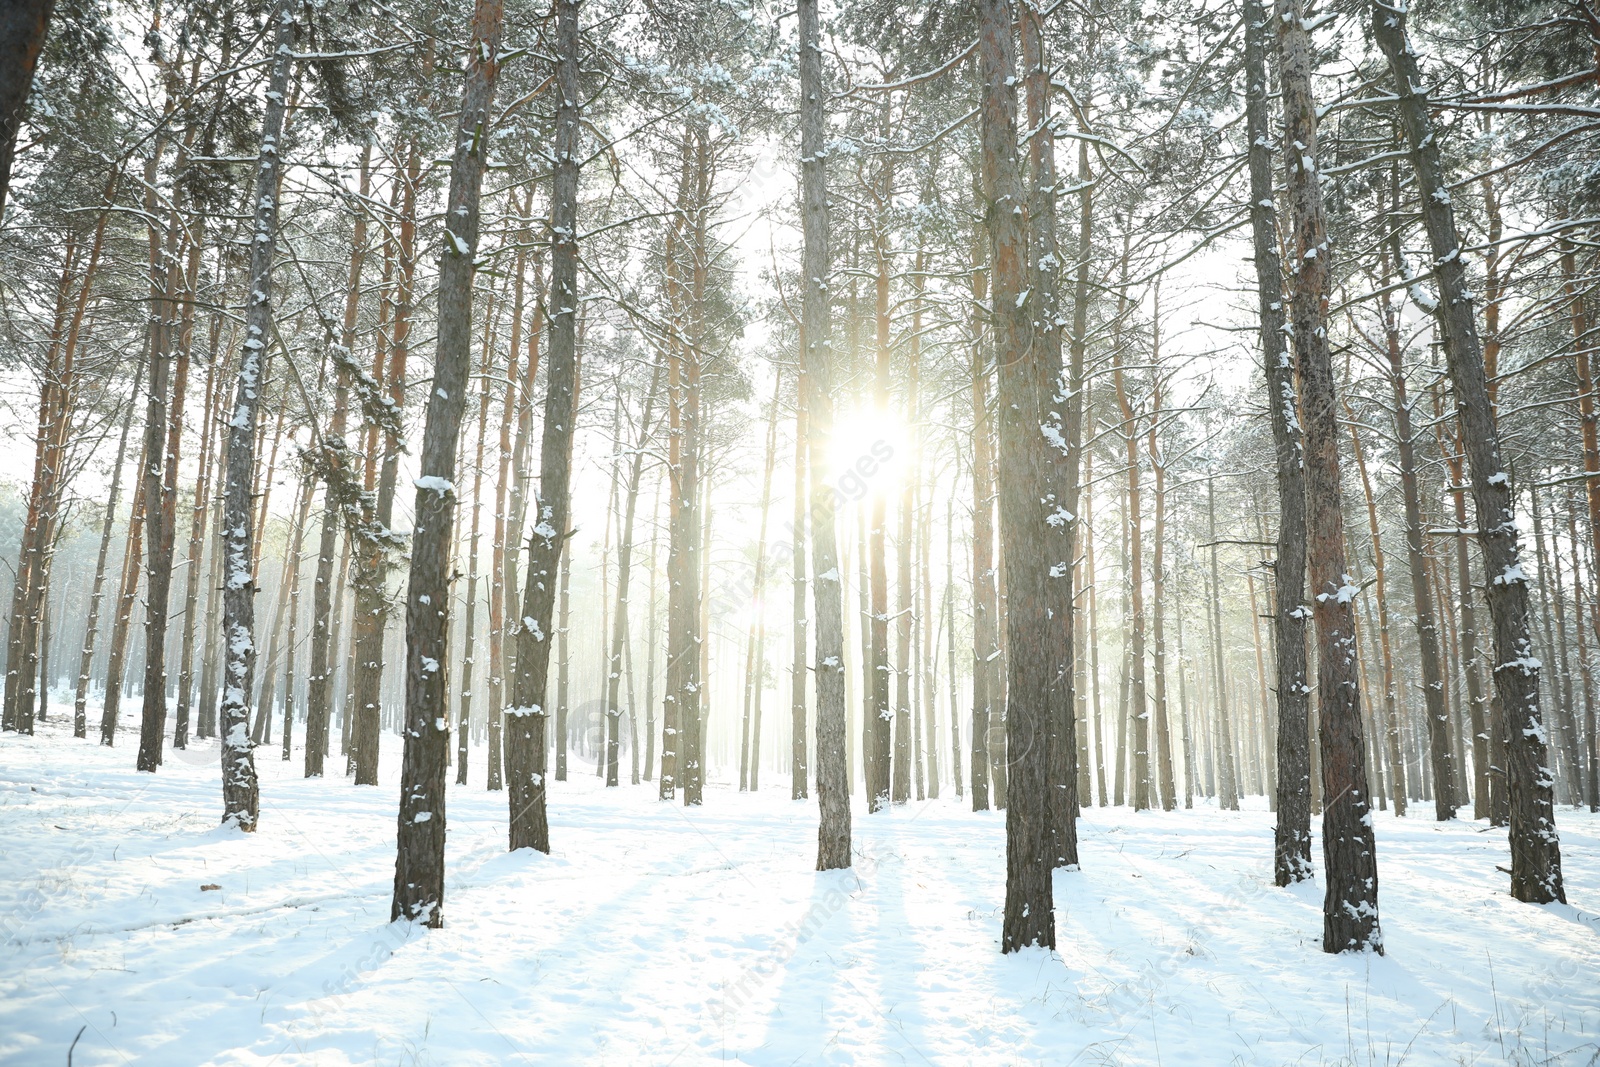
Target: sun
{"points": [[869, 454]]}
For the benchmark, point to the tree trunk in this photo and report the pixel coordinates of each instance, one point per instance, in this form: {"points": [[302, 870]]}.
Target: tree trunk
{"points": [[319, 681], [469, 622], [419, 855], [524, 740], [1292, 835], [1025, 485], [816, 387], [92, 628], [1535, 845], [1060, 401], [1380, 581], [1350, 904], [798, 762], [1227, 781], [754, 665], [240, 793], [200, 511], [619, 623]]}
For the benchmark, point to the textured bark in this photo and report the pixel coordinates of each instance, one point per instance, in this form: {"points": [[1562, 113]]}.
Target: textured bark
{"points": [[525, 727], [1025, 482], [1292, 834], [816, 386], [165, 404], [1061, 420], [1535, 845], [1350, 903], [23, 27], [240, 793], [419, 854]]}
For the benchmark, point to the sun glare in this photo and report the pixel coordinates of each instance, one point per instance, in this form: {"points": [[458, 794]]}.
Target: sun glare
{"points": [[869, 452]]}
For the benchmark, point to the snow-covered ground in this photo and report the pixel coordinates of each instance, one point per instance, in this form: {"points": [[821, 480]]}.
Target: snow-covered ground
{"points": [[656, 935]]}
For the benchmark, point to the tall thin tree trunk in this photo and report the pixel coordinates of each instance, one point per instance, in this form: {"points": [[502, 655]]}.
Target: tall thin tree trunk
{"points": [[799, 769], [1350, 903], [1535, 845], [92, 628], [1292, 836], [754, 664], [419, 855], [619, 624], [240, 793], [816, 386], [525, 730], [1391, 707], [319, 680], [1025, 482]]}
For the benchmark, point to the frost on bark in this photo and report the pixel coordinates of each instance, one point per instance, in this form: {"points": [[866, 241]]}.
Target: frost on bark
{"points": [[240, 794], [1535, 845], [524, 726], [419, 852], [816, 386], [1292, 836], [1350, 903]]}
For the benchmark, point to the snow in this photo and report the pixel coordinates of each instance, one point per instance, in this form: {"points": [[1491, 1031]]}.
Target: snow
{"points": [[654, 934]]}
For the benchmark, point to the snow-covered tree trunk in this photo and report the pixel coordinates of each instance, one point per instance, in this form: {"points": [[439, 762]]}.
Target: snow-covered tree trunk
{"points": [[1535, 845], [525, 724], [240, 793], [1350, 904], [419, 852], [1292, 834]]}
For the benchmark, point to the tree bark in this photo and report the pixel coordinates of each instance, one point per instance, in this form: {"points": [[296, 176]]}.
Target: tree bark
{"points": [[419, 853], [525, 729], [319, 680], [1350, 903], [1025, 483], [1292, 833], [816, 387], [240, 793], [1535, 845]]}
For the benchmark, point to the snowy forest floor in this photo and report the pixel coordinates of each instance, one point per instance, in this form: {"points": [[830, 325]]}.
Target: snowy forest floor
{"points": [[656, 935]]}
